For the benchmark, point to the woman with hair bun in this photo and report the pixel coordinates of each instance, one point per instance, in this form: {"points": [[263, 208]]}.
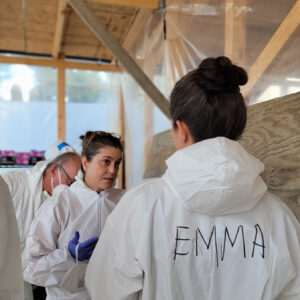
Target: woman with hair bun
{"points": [[208, 229], [66, 229]]}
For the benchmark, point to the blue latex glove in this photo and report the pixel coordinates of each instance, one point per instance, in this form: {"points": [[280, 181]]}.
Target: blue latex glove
{"points": [[85, 249]]}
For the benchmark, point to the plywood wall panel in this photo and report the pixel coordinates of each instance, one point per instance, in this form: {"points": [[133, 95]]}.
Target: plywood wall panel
{"points": [[272, 135]]}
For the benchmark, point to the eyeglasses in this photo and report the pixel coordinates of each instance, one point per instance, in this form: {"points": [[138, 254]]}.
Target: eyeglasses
{"points": [[103, 134], [67, 176]]}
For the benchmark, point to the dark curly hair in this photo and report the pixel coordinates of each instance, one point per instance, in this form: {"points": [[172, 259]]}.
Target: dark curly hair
{"points": [[209, 101]]}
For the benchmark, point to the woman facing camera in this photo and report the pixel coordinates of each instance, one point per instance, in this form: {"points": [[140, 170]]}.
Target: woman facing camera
{"points": [[66, 229], [208, 229]]}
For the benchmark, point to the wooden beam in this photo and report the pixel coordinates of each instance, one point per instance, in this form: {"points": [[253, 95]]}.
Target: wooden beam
{"points": [[60, 21], [152, 4], [277, 41], [40, 62], [61, 93], [121, 177], [136, 28], [52, 63], [229, 20], [235, 31], [91, 67], [129, 64]]}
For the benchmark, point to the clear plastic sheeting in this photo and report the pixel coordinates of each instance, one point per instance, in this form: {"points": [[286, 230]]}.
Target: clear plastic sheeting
{"points": [[92, 103], [28, 108], [261, 36]]}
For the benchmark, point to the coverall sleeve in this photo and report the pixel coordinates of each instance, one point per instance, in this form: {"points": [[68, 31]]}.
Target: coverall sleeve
{"points": [[292, 290], [113, 271], [44, 263]]}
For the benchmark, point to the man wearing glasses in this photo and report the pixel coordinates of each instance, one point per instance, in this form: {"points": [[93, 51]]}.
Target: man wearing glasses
{"points": [[29, 188]]}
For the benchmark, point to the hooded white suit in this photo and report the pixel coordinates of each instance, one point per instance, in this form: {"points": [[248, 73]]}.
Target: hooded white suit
{"points": [[27, 195], [11, 280], [26, 189], [47, 259], [206, 230]]}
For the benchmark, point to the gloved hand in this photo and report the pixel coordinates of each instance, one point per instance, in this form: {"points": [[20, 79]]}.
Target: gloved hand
{"points": [[85, 249]]}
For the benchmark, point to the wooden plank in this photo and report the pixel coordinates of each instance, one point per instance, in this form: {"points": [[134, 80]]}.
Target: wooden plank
{"points": [[277, 41], [136, 28], [53, 63], [152, 4], [40, 62], [61, 93], [59, 28], [77, 50], [235, 31], [102, 8], [129, 64], [229, 25], [121, 178], [91, 67], [273, 135], [12, 44]]}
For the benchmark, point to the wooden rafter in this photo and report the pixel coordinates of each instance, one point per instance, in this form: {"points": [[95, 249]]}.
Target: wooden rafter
{"points": [[40, 62], [277, 41], [62, 5], [152, 4], [125, 59], [91, 67], [136, 28], [53, 63]]}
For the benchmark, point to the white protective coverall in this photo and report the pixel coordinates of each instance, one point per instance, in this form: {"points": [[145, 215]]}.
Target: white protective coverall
{"points": [[26, 189], [206, 230], [47, 259], [11, 279]]}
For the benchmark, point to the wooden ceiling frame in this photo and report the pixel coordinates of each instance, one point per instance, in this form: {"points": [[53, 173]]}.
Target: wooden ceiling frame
{"points": [[120, 53], [152, 4], [276, 42], [136, 28], [53, 63], [59, 28]]}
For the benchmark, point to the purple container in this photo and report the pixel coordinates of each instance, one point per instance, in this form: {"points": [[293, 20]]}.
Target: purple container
{"points": [[22, 158]]}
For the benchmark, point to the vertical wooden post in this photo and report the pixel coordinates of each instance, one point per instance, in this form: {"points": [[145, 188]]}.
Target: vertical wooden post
{"points": [[235, 30], [147, 129], [61, 92], [121, 180]]}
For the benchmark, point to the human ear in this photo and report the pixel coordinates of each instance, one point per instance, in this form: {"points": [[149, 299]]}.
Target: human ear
{"points": [[84, 162], [53, 169], [183, 131]]}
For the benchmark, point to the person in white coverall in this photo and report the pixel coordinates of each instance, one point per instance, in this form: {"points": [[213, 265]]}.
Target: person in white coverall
{"points": [[29, 188], [11, 279], [65, 231], [208, 229]]}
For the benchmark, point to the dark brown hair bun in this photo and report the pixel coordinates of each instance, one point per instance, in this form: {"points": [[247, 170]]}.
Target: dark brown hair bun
{"points": [[220, 75]]}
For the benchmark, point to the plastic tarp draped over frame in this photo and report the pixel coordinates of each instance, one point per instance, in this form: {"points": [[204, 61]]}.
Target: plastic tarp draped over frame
{"points": [[99, 100], [261, 36]]}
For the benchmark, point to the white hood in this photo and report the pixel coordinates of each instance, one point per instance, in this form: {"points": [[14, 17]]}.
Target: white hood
{"points": [[216, 177]]}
